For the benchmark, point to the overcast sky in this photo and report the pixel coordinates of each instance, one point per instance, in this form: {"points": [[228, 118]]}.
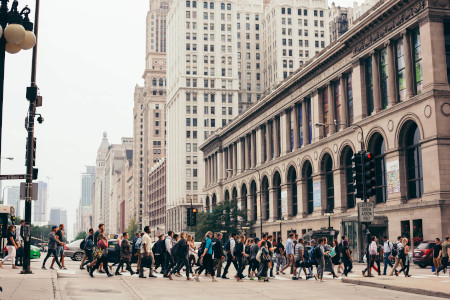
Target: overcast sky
{"points": [[91, 55]]}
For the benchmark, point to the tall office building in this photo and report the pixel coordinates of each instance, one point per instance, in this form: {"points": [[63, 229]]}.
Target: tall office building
{"points": [[87, 182], [55, 216], [40, 205], [294, 32], [213, 61], [149, 101], [98, 205], [14, 199]]}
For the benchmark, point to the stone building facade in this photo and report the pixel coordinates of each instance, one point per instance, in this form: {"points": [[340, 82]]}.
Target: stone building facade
{"points": [[157, 197], [388, 75]]}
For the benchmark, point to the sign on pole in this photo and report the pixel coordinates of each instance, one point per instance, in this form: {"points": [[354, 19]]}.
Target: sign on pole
{"points": [[365, 212], [13, 177], [34, 193]]}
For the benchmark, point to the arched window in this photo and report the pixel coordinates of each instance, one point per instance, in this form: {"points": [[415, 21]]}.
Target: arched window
{"points": [[154, 81], [214, 201], [227, 195], [161, 82], [307, 177], [327, 169], [414, 161], [265, 193], [378, 147], [292, 186], [208, 208], [253, 195], [234, 194], [346, 162], [277, 187]]}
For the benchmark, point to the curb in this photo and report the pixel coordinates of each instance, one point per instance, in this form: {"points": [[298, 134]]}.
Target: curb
{"points": [[397, 288]]}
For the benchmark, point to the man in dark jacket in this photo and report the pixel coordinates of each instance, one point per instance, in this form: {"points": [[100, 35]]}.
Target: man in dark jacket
{"points": [[180, 253], [158, 251], [125, 255], [218, 254]]}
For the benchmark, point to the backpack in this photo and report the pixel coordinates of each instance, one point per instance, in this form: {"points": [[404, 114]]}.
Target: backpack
{"points": [[317, 253], [227, 246], [394, 250], [83, 244], [138, 243], [175, 249], [258, 255]]}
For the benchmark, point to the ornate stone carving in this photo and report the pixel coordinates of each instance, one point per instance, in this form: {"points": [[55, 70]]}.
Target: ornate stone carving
{"points": [[439, 3], [390, 125], [445, 109], [375, 36], [427, 111]]}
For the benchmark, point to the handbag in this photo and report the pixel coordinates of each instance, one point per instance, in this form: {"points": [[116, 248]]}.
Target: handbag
{"points": [[265, 256], [98, 252], [332, 252]]}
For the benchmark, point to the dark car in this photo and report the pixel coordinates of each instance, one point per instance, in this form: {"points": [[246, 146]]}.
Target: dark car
{"points": [[423, 254], [113, 251]]}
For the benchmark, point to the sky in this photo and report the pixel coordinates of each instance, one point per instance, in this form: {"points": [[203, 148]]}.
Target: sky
{"points": [[91, 55]]}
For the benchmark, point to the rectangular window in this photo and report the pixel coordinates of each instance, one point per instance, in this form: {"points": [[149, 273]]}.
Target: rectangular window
{"points": [[400, 68], [308, 106], [325, 110], [384, 78], [349, 99], [369, 85], [417, 58]]}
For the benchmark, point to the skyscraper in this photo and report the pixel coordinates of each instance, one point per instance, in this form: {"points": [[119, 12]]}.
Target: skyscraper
{"points": [[87, 181], [55, 216], [149, 113], [40, 205], [99, 184], [14, 199]]}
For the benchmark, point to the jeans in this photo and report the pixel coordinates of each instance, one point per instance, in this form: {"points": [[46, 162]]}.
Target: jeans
{"points": [[279, 259], [50, 252], [387, 262], [229, 261], [348, 266], [121, 263], [444, 264], [241, 266], [218, 266], [168, 265], [181, 261], [321, 267]]}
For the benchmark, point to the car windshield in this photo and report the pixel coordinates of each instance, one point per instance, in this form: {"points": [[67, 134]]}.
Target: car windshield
{"points": [[424, 246]]}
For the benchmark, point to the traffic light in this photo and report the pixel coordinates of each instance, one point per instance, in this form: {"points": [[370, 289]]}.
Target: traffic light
{"points": [[369, 174], [188, 216], [194, 217], [357, 169]]}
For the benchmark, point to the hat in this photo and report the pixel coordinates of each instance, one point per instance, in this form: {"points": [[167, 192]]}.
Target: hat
{"points": [[257, 240], [313, 241]]}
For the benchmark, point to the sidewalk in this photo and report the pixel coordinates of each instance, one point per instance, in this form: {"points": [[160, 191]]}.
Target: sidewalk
{"points": [[422, 285], [41, 284]]}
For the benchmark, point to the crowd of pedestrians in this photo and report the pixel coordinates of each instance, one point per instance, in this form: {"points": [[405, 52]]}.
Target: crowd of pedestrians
{"points": [[262, 258]]}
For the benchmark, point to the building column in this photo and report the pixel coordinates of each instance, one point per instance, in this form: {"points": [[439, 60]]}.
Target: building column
{"points": [[284, 132], [206, 172], [305, 122], [376, 81], [432, 41], [287, 190], [392, 91], [215, 167], [253, 149], [269, 139], [235, 159], [230, 164], [317, 115], [293, 113], [273, 206], [240, 158], [344, 102], [211, 169], [331, 108], [276, 137], [220, 169], [302, 199], [339, 188], [359, 90], [260, 142], [409, 76], [248, 152]]}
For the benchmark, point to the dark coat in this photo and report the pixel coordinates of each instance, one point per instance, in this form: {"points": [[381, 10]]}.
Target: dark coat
{"points": [[125, 250]]}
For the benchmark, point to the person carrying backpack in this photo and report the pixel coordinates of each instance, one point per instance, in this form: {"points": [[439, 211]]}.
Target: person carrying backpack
{"points": [[88, 246], [229, 248], [396, 249], [318, 255], [179, 252]]}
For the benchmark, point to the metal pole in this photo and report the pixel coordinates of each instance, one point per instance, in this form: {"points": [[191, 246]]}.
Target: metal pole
{"points": [[3, 23], [30, 151]]}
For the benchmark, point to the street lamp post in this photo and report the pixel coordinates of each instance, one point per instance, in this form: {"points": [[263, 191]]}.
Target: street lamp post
{"points": [[281, 222], [260, 195], [16, 33]]}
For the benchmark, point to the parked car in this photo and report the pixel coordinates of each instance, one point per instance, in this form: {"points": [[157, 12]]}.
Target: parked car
{"points": [[423, 254], [34, 252], [74, 251], [113, 251]]}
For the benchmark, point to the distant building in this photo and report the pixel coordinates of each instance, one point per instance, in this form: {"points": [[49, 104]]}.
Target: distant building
{"points": [[157, 197], [39, 209], [87, 182], [55, 216], [14, 199], [98, 204]]}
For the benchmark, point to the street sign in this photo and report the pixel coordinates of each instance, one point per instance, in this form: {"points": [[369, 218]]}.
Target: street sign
{"points": [[365, 211], [13, 177], [34, 193]]}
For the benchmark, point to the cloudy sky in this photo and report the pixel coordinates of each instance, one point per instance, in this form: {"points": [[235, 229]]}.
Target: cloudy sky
{"points": [[91, 55]]}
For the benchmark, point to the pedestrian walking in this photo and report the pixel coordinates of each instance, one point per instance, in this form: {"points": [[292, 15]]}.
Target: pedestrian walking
{"points": [[289, 252], [336, 257], [445, 253], [372, 257], [207, 260], [146, 251], [53, 242], [180, 252], [395, 253], [437, 250], [404, 256], [240, 255], [60, 236], [19, 242], [328, 252], [319, 254], [168, 260], [229, 249], [299, 260], [346, 256], [125, 255], [218, 254], [101, 255], [271, 248], [265, 259], [158, 253], [88, 249], [387, 250], [279, 255], [137, 241], [11, 246]]}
